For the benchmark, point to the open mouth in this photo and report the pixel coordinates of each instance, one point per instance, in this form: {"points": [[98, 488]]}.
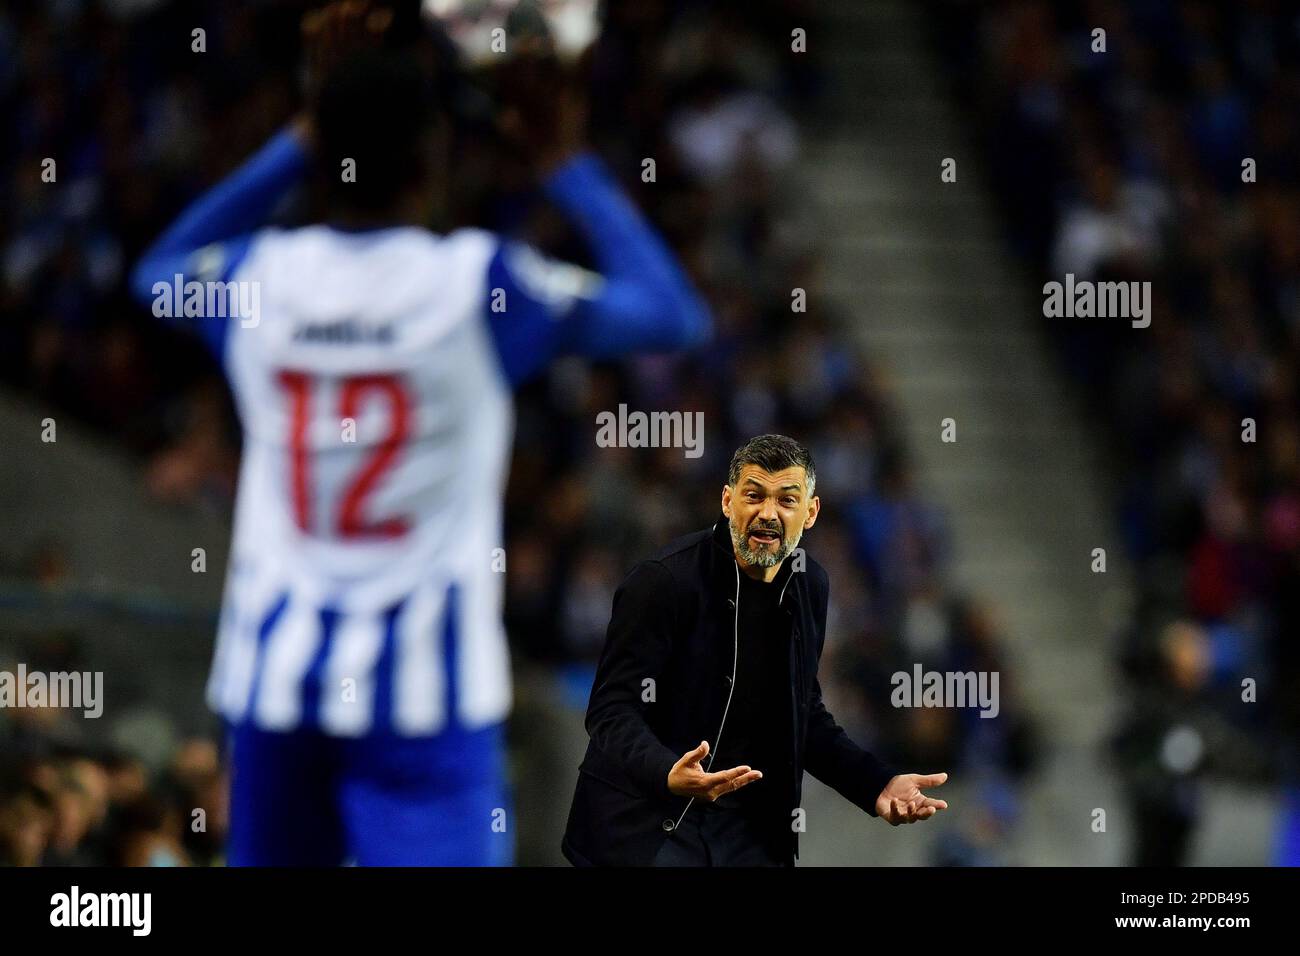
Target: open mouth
{"points": [[765, 537]]}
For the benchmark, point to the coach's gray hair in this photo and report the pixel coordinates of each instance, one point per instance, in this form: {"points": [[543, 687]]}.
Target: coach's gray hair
{"points": [[772, 453]]}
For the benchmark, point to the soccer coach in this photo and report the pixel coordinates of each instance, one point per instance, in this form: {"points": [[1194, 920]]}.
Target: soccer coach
{"points": [[712, 649]]}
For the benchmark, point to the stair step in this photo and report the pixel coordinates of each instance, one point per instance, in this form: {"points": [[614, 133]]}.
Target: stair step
{"points": [[919, 272]]}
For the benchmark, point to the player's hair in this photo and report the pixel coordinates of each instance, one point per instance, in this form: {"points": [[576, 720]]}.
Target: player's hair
{"points": [[374, 108], [772, 453]]}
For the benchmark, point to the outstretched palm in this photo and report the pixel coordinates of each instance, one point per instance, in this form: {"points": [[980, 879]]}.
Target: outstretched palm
{"points": [[903, 802]]}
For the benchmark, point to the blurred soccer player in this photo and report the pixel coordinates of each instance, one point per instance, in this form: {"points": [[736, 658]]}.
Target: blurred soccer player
{"points": [[361, 662]]}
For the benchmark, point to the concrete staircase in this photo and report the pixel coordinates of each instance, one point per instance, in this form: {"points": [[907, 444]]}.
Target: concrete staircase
{"points": [[933, 294]]}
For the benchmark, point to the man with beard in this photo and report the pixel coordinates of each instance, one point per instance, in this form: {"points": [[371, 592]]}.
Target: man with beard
{"points": [[713, 648]]}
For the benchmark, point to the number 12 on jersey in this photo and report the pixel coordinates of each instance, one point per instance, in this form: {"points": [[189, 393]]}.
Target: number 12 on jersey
{"points": [[350, 520]]}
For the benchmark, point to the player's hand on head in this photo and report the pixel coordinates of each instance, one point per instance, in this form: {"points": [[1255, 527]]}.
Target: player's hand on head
{"points": [[901, 801], [541, 111], [332, 33], [688, 778]]}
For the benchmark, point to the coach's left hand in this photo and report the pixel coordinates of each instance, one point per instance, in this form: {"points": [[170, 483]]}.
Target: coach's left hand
{"points": [[903, 802]]}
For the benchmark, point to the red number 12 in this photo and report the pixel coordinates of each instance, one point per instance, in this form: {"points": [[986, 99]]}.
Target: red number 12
{"points": [[350, 522]]}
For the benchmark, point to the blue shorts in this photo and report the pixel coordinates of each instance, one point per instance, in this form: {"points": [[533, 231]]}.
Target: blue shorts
{"points": [[303, 798]]}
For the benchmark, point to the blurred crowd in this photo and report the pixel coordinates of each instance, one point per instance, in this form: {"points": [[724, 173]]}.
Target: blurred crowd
{"points": [[1174, 157], [139, 125], [69, 799], [89, 807]]}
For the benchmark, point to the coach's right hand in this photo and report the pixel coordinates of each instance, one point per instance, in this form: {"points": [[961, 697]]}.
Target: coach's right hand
{"points": [[688, 779]]}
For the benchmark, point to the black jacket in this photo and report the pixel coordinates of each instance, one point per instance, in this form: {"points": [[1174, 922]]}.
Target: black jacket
{"points": [[674, 623]]}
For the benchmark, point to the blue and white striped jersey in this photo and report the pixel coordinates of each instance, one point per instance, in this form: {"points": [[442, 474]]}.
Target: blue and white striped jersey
{"points": [[364, 589], [374, 389]]}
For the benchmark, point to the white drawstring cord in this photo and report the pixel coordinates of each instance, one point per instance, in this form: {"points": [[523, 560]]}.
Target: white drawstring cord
{"points": [[735, 656]]}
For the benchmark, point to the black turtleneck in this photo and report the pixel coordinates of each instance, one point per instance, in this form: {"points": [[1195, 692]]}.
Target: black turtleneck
{"points": [[757, 729]]}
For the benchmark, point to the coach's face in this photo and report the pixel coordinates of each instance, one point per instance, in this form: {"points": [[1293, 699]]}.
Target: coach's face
{"points": [[768, 512]]}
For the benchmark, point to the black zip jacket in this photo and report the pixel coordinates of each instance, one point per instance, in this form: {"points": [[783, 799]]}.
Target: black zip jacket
{"points": [[663, 684]]}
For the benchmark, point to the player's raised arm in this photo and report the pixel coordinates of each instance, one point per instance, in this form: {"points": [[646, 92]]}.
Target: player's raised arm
{"points": [[213, 233], [640, 301], [211, 236], [647, 299]]}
